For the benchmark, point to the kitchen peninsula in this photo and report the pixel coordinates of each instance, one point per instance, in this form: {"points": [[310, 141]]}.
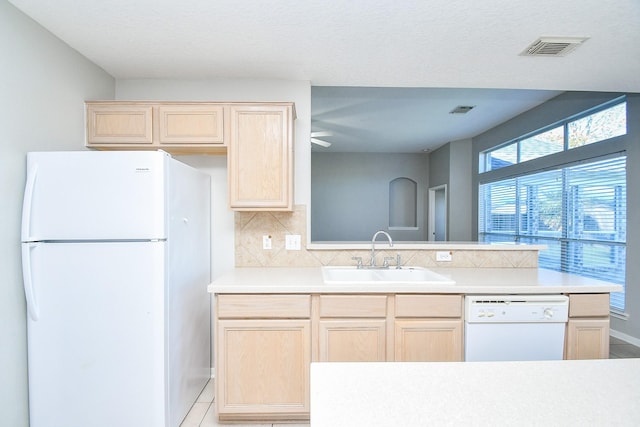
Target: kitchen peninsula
{"points": [[272, 323], [526, 393]]}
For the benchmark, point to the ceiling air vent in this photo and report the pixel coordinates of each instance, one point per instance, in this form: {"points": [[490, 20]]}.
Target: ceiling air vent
{"points": [[553, 46], [462, 109]]}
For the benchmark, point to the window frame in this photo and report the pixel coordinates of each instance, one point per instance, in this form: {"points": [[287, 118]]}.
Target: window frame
{"points": [[485, 156], [610, 147]]}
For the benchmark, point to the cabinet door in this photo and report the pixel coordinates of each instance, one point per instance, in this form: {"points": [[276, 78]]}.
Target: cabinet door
{"points": [[119, 124], [352, 340], [191, 124], [428, 341], [260, 158], [587, 339], [264, 369]]}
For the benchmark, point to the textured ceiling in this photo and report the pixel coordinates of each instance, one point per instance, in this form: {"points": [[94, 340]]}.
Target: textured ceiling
{"points": [[379, 43]]}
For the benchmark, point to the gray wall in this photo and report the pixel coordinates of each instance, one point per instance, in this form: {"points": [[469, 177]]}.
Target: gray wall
{"points": [[439, 167], [557, 109], [44, 85], [350, 194], [459, 223], [450, 165]]}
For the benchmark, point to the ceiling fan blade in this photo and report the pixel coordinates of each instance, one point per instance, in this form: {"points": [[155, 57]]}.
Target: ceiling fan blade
{"points": [[320, 142], [321, 133]]}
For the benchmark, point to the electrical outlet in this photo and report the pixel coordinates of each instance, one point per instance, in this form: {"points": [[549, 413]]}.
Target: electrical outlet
{"points": [[266, 242], [444, 256], [292, 242]]}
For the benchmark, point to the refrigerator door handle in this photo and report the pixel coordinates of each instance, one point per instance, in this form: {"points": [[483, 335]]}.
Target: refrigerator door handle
{"points": [[32, 305], [32, 173]]}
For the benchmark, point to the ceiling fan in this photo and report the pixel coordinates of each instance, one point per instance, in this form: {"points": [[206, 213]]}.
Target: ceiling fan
{"points": [[315, 138]]}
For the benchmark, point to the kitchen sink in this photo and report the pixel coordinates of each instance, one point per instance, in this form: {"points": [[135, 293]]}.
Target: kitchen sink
{"points": [[404, 275]]}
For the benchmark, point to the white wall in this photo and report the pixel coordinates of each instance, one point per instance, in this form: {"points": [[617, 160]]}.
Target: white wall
{"points": [[44, 84]]}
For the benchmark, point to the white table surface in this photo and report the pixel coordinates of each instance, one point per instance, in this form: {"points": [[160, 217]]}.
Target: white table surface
{"points": [[539, 393]]}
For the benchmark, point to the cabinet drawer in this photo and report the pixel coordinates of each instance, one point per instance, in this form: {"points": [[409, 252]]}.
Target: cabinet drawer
{"points": [[353, 306], [263, 306], [588, 305], [428, 306]]}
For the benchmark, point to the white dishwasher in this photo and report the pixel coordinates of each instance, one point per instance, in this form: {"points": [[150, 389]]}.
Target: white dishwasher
{"points": [[515, 327]]}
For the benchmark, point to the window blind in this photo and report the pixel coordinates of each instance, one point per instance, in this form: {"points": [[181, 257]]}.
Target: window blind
{"points": [[578, 211]]}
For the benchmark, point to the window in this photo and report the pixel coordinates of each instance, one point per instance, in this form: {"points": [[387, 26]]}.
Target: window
{"points": [[542, 144], [599, 124], [577, 210], [577, 207]]}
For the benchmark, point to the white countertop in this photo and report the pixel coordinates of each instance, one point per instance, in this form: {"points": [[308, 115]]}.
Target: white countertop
{"points": [[467, 281], [540, 393]]}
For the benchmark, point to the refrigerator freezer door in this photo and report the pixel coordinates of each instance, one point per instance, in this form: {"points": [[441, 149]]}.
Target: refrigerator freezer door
{"points": [[89, 195], [96, 352]]}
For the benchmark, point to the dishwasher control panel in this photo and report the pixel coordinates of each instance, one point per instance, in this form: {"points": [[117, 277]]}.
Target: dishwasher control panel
{"points": [[516, 308]]}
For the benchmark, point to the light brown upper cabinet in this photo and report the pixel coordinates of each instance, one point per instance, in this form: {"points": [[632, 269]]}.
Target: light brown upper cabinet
{"points": [[257, 137], [187, 127], [260, 157], [191, 124], [113, 124]]}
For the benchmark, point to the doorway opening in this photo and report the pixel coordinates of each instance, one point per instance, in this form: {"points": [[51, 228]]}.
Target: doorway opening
{"points": [[437, 213]]}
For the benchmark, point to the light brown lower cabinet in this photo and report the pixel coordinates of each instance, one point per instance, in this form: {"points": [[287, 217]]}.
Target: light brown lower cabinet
{"points": [[352, 328], [263, 355], [428, 340], [428, 328], [358, 340], [587, 339], [265, 344], [264, 369], [588, 327]]}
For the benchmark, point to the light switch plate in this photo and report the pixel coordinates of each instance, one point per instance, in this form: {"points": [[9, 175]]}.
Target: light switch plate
{"points": [[266, 242], [444, 256], [292, 242]]}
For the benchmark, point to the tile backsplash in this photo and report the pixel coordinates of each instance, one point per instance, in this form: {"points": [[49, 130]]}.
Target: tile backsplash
{"points": [[250, 227]]}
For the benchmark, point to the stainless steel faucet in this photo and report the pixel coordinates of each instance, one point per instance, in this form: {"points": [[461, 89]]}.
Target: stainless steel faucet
{"points": [[373, 246]]}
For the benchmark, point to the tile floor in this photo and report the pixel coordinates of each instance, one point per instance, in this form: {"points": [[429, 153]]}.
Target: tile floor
{"points": [[202, 412]]}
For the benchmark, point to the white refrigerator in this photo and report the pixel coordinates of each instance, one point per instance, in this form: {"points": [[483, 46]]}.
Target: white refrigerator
{"points": [[116, 263]]}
